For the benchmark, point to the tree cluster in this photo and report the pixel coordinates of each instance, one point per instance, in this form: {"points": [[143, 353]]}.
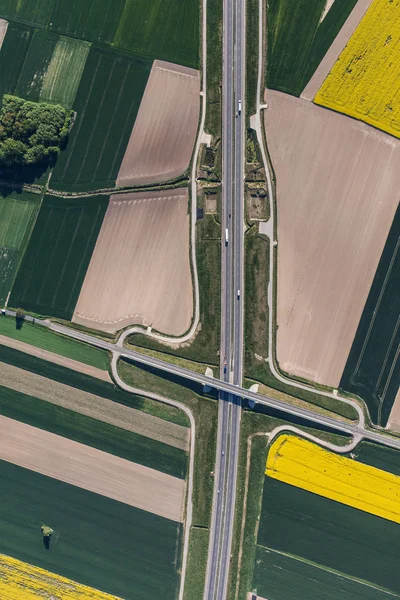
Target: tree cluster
{"points": [[31, 132]]}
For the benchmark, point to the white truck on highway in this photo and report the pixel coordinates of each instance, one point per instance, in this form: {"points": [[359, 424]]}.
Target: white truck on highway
{"points": [[239, 108], [226, 236]]}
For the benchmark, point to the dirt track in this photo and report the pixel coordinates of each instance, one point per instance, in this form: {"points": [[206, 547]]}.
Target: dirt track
{"points": [[140, 268], [338, 184], [162, 139], [55, 358], [91, 469], [93, 406], [3, 30]]}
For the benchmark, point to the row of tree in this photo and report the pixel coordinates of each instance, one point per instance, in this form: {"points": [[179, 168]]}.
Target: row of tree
{"points": [[31, 132]]}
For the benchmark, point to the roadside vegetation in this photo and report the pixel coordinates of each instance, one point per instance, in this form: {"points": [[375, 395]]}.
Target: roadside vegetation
{"points": [[297, 42], [252, 24]]}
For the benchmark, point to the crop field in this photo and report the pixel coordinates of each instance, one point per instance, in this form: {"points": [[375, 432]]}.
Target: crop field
{"points": [[97, 541], [140, 269], [37, 60], [364, 82], [373, 367], [65, 71], [329, 534], [58, 254], [94, 421], [107, 101], [42, 338], [13, 52], [335, 210], [33, 12], [163, 29], [280, 576], [163, 137], [297, 41], [166, 30], [17, 217], [21, 581], [303, 464]]}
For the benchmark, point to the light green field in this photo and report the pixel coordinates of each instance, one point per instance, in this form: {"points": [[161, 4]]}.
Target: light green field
{"points": [[65, 71], [17, 216]]}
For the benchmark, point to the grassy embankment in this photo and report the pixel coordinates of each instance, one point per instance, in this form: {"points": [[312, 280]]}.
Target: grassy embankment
{"points": [[296, 42], [252, 23], [43, 338], [205, 413]]}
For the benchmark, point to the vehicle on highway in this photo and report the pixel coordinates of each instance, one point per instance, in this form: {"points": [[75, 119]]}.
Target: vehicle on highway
{"points": [[239, 107], [238, 294], [226, 236]]}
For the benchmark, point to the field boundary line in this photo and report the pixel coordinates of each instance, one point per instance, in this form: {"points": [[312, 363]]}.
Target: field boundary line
{"points": [[189, 505], [256, 125]]}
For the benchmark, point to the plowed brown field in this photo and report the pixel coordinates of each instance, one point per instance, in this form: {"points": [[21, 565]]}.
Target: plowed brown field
{"points": [[91, 469], [140, 268], [3, 30], [338, 183], [162, 139]]}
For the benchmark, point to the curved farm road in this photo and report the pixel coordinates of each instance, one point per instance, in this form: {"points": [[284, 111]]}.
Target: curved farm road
{"points": [[255, 123]]}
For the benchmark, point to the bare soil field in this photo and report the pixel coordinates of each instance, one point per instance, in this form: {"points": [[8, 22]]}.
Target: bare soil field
{"points": [[336, 48], [140, 267], [3, 30], [91, 469], [57, 359], [394, 419], [338, 186], [162, 139], [93, 406]]}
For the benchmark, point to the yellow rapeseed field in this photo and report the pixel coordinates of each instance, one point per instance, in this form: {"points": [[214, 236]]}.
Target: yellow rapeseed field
{"points": [[365, 80], [308, 466], [20, 581]]}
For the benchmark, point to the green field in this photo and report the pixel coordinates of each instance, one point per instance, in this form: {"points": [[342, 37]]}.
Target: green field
{"points": [[42, 337], [373, 367], [330, 534], [35, 66], [163, 29], [13, 52], [35, 12], [281, 577], [97, 541], [92, 432], [296, 41], [107, 102], [65, 71], [55, 263], [17, 217]]}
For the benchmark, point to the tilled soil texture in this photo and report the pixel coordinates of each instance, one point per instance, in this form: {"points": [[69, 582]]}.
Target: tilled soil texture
{"points": [[338, 186], [93, 406], [163, 137], [91, 469], [3, 30], [140, 268], [57, 359]]}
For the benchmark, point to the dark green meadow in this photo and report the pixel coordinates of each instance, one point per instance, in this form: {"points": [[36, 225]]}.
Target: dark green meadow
{"points": [[97, 541], [33, 12], [13, 52], [163, 29], [36, 62], [58, 254], [330, 534], [280, 577], [296, 41], [373, 367], [107, 103]]}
